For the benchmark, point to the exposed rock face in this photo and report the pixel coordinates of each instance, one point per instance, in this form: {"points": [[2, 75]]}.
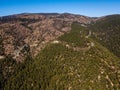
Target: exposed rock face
{"points": [[29, 33]]}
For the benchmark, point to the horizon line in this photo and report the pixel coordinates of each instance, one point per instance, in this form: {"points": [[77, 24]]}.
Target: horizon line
{"points": [[56, 13]]}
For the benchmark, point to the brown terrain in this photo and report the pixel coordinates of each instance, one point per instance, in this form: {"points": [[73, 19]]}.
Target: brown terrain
{"points": [[24, 34]]}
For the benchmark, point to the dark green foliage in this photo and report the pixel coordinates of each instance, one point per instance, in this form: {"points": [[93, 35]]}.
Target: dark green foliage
{"points": [[1, 46], [57, 67], [76, 36], [7, 68], [107, 32]]}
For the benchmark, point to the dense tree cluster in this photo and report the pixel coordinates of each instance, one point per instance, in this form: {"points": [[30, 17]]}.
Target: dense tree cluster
{"points": [[57, 67], [107, 32]]}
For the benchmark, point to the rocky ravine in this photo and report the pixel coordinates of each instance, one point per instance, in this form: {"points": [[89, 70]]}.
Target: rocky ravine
{"points": [[25, 34]]}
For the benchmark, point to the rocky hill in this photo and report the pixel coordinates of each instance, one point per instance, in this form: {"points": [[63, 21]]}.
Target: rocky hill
{"points": [[28, 33], [51, 51], [74, 61]]}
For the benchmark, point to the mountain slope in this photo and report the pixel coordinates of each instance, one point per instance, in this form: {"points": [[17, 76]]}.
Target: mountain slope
{"points": [[65, 64], [22, 36], [34, 31], [107, 31]]}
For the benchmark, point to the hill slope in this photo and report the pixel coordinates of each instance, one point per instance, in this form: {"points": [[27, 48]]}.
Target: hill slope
{"points": [[22, 36], [33, 31], [107, 31], [74, 61]]}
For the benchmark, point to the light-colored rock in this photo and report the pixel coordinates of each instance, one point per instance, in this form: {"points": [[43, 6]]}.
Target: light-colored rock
{"points": [[2, 57]]}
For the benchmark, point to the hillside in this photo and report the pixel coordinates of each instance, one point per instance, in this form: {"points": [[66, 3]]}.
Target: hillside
{"points": [[107, 31], [33, 31], [74, 61], [23, 36], [52, 51]]}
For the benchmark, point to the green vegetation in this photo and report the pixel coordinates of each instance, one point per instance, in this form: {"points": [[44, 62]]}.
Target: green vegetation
{"points": [[107, 32], [7, 68], [1, 46], [58, 67], [76, 36]]}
